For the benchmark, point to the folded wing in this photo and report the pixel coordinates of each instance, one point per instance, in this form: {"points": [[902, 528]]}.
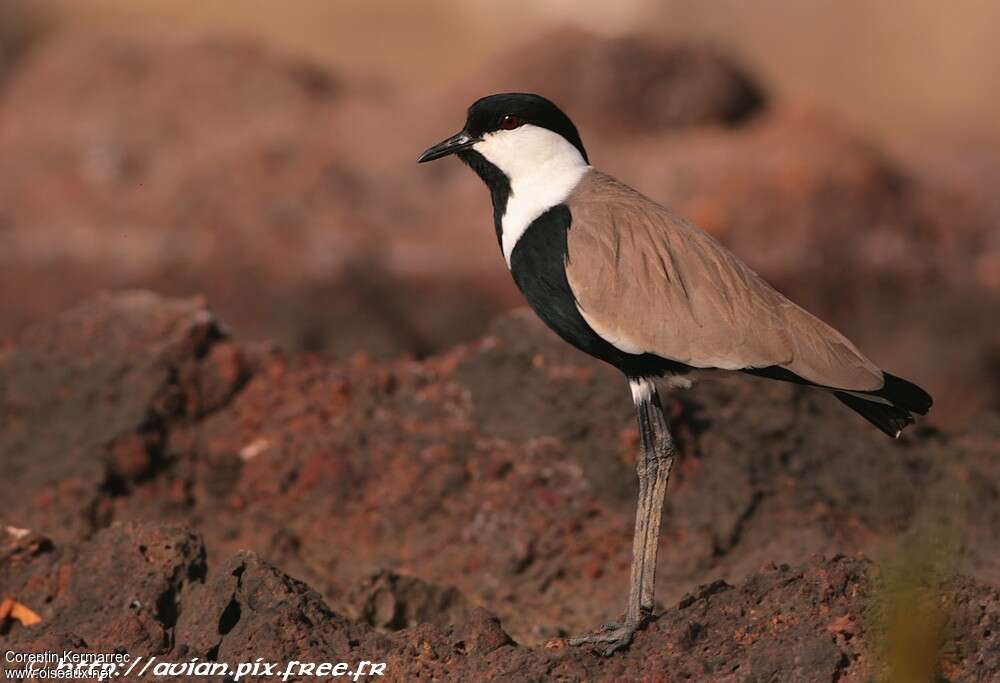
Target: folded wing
{"points": [[648, 281]]}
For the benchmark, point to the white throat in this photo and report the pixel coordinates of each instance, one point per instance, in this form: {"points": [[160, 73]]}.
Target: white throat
{"points": [[543, 168]]}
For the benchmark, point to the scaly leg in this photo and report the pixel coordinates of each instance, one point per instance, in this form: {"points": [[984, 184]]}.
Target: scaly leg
{"points": [[656, 456], [658, 446]]}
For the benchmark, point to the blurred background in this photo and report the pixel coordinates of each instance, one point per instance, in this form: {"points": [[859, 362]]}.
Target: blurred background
{"points": [[264, 157]]}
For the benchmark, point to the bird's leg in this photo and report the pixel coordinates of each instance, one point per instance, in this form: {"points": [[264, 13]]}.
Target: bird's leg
{"points": [[656, 456], [657, 446], [646, 471]]}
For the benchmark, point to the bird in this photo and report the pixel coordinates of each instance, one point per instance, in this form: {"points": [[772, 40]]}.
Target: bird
{"points": [[632, 283]]}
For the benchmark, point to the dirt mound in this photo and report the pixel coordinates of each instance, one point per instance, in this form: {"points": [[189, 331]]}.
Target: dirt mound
{"points": [[502, 469], [623, 85], [807, 623], [201, 165], [123, 588], [797, 193], [102, 386]]}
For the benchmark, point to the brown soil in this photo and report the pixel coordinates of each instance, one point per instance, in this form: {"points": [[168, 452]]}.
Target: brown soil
{"points": [[791, 624], [412, 496]]}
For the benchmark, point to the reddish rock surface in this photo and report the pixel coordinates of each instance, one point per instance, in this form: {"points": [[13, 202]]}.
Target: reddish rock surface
{"points": [[805, 623], [497, 476]]}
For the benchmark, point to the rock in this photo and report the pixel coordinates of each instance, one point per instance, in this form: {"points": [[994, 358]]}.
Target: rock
{"points": [[392, 602], [88, 399], [120, 591], [820, 620], [249, 609], [503, 470]]}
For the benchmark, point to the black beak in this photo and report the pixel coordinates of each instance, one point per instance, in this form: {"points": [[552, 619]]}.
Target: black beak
{"points": [[456, 143]]}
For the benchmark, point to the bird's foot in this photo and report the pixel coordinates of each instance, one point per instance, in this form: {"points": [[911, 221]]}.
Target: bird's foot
{"points": [[610, 638]]}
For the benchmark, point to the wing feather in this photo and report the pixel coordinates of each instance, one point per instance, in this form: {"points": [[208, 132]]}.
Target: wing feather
{"points": [[649, 281]]}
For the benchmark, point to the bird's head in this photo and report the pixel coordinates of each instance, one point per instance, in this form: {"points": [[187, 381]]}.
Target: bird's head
{"points": [[518, 133]]}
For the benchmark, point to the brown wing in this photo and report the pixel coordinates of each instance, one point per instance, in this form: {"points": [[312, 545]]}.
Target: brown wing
{"points": [[648, 281]]}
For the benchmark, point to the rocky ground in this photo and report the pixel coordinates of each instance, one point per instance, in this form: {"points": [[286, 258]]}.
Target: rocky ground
{"points": [[345, 451], [457, 517], [781, 623]]}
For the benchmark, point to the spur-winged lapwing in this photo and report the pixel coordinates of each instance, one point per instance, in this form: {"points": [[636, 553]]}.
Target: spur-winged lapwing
{"points": [[634, 284]]}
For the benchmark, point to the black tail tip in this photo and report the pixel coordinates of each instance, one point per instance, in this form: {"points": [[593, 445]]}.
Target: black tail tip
{"points": [[905, 394], [891, 420]]}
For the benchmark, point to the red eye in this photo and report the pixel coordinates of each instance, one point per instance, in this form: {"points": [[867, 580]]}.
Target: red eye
{"points": [[510, 122]]}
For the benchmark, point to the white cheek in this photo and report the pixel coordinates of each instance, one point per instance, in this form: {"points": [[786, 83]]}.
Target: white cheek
{"points": [[543, 168]]}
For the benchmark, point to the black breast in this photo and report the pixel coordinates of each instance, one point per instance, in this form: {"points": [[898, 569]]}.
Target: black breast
{"points": [[538, 264]]}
